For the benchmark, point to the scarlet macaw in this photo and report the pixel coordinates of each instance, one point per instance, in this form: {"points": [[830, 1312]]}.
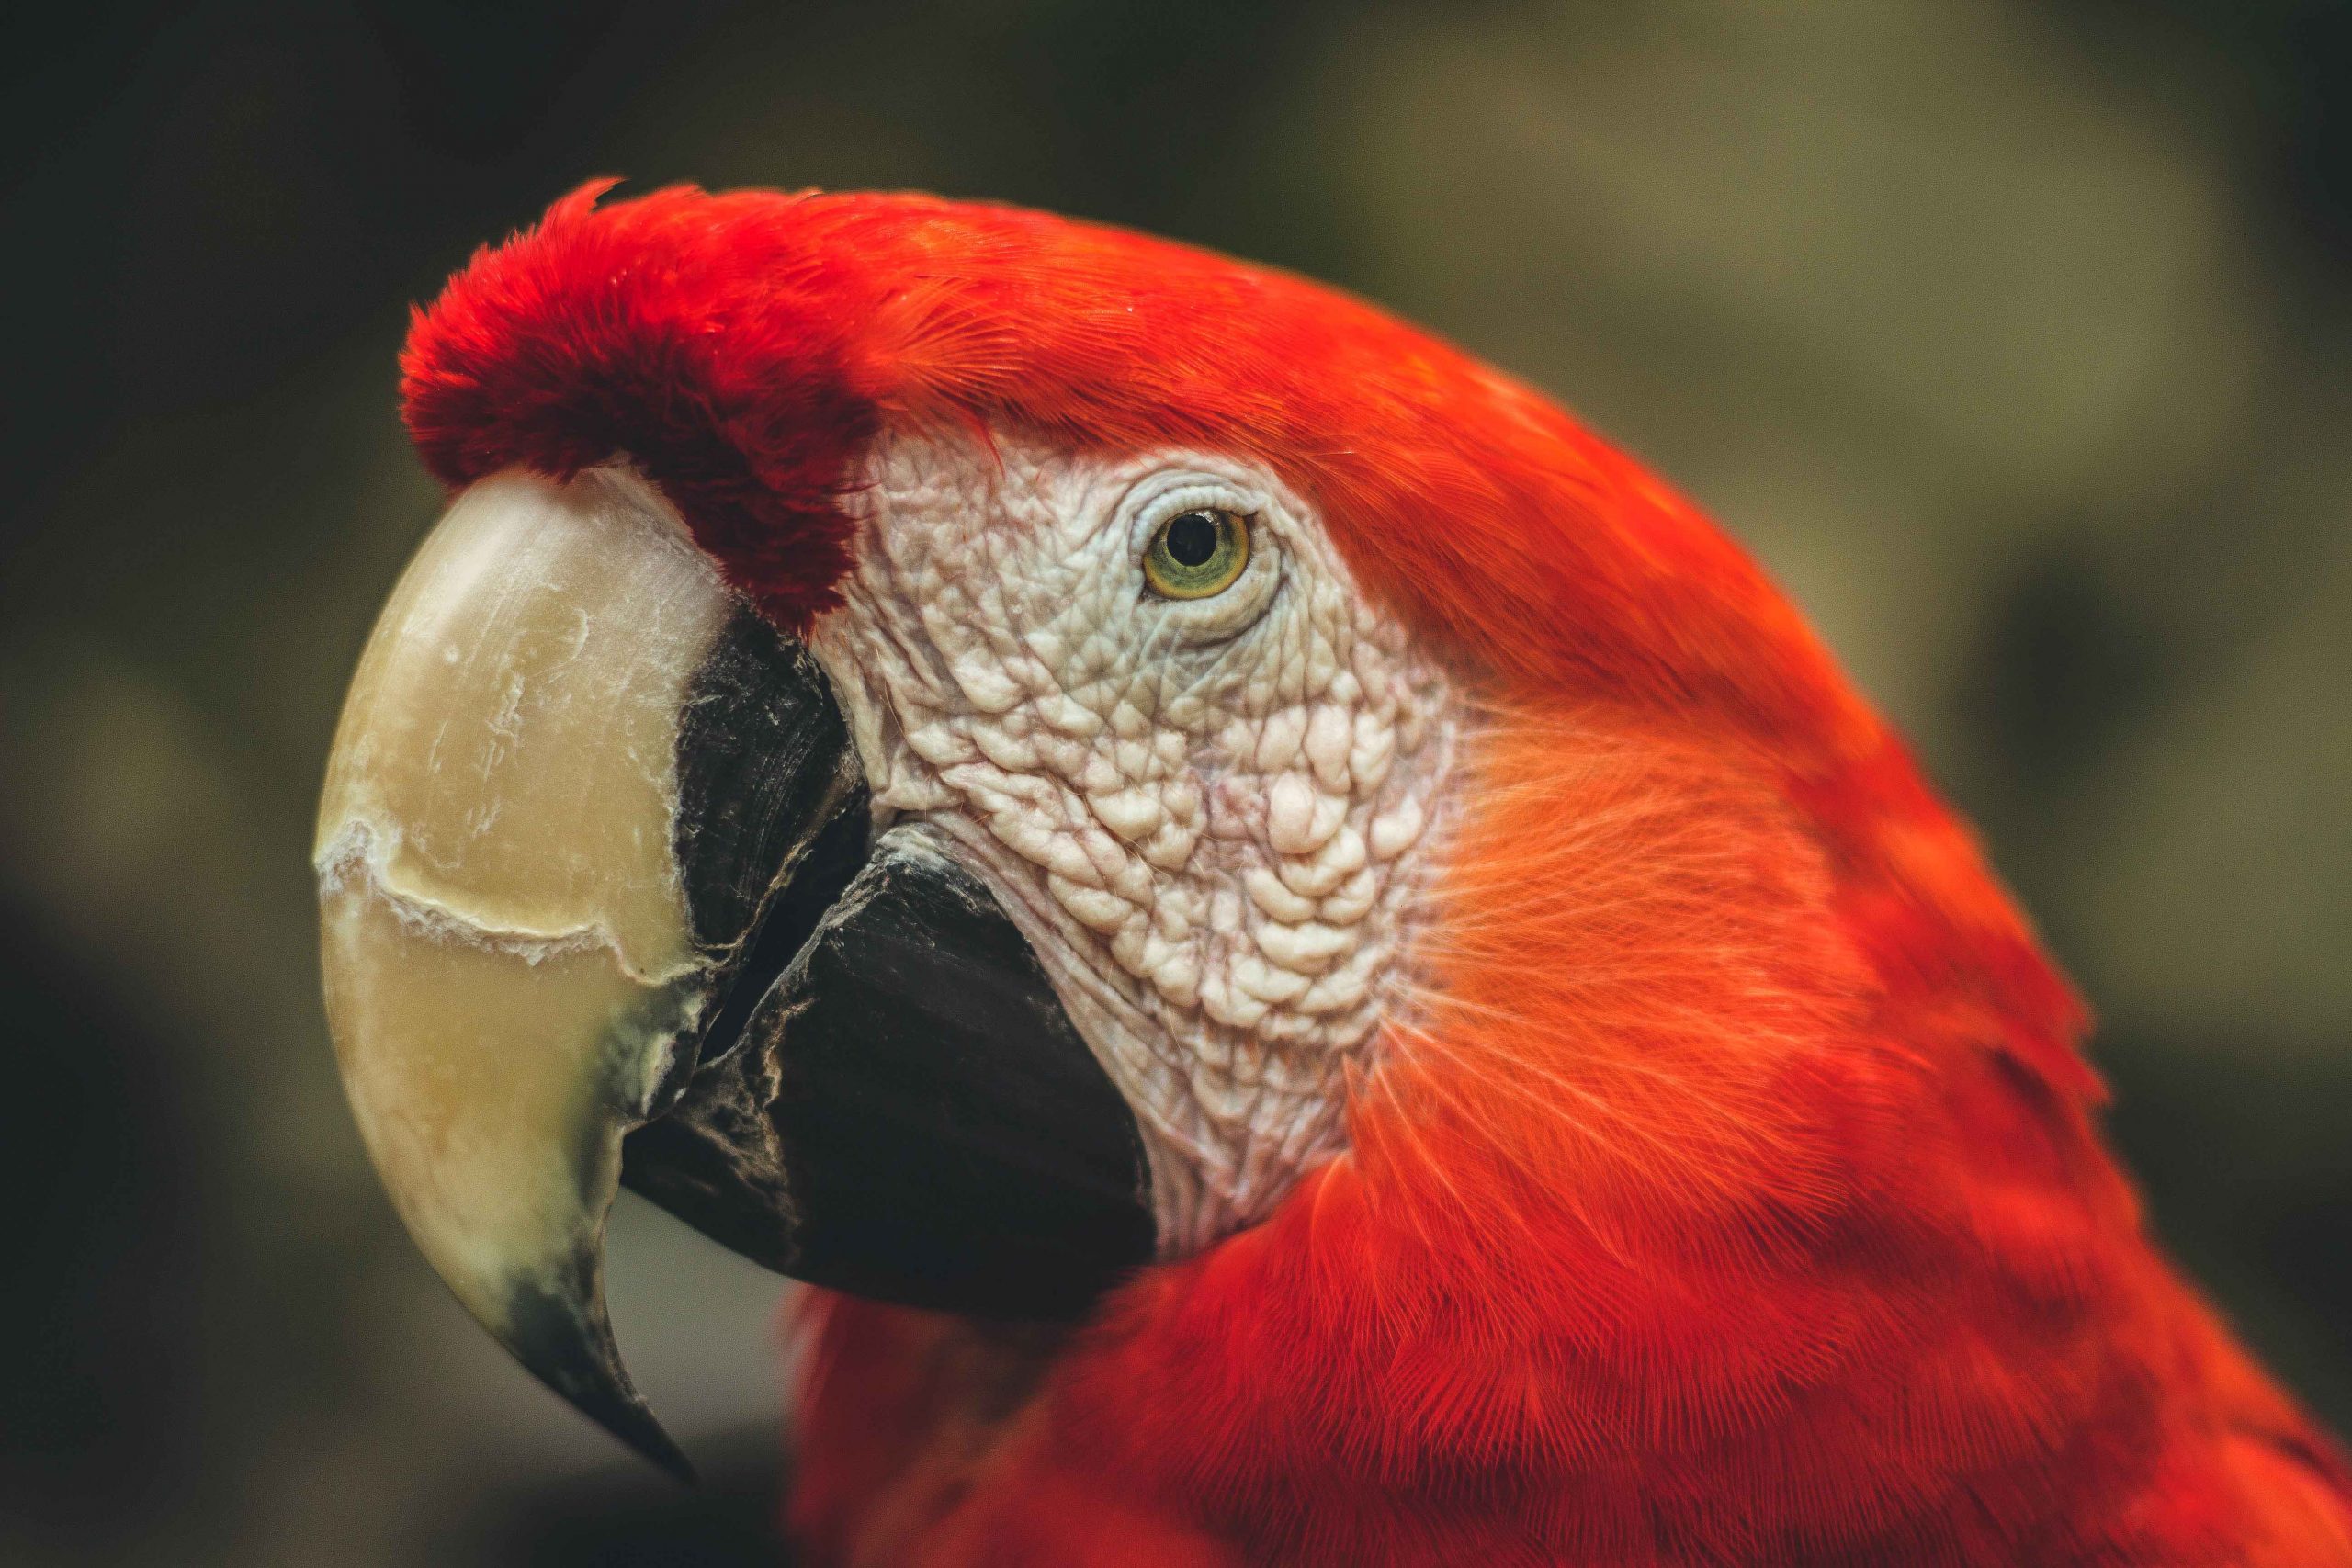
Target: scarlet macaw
{"points": [[1319, 969]]}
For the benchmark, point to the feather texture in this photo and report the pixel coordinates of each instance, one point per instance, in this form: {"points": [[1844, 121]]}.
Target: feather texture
{"points": [[1735, 1195]]}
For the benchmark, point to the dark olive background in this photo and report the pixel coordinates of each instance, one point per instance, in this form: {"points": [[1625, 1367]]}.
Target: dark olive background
{"points": [[2012, 337]]}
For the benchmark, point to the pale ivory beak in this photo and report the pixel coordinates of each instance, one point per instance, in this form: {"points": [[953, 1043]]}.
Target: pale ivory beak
{"points": [[597, 861], [510, 969]]}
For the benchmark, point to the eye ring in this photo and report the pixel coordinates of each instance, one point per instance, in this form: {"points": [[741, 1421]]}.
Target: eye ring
{"points": [[1198, 553]]}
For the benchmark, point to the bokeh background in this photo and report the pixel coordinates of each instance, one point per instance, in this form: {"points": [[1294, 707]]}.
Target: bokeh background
{"points": [[2013, 338]]}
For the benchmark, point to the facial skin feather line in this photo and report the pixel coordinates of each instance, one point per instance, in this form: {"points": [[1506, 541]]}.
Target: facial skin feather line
{"points": [[1208, 817], [1595, 1103]]}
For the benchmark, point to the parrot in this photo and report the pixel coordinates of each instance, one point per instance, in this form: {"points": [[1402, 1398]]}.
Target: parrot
{"points": [[1306, 964]]}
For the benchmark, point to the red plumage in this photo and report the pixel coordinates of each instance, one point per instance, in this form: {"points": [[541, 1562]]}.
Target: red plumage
{"points": [[1740, 1201]]}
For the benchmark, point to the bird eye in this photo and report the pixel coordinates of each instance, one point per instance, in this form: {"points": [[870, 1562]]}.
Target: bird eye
{"points": [[1197, 553]]}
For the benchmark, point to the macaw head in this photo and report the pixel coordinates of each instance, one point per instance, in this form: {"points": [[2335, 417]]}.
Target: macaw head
{"points": [[958, 751]]}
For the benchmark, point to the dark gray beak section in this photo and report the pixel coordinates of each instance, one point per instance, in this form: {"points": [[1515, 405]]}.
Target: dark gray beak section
{"points": [[908, 1114], [602, 901]]}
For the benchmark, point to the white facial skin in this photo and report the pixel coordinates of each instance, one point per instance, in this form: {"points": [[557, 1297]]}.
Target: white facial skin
{"points": [[1209, 817]]}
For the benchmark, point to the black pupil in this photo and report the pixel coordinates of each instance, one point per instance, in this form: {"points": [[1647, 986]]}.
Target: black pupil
{"points": [[1191, 538]]}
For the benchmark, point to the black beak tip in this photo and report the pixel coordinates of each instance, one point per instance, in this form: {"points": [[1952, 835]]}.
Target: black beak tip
{"points": [[634, 1423], [566, 1340]]}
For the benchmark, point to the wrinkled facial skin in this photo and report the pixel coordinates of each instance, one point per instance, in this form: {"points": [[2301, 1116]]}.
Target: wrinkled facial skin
{"points": [[1209, 817]]}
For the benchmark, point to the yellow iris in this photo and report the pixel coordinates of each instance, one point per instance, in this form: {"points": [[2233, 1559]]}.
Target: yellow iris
{"points": [[1196, 554]]}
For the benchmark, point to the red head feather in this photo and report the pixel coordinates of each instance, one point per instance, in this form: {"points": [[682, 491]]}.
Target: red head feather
{"points": [[1738, 1200]]}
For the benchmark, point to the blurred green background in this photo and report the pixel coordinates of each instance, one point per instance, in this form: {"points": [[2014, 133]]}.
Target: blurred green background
{"points": [[2012, 337]]}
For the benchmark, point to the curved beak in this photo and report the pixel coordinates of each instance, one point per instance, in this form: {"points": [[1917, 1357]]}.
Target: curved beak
{"points": [[599, 889]]}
